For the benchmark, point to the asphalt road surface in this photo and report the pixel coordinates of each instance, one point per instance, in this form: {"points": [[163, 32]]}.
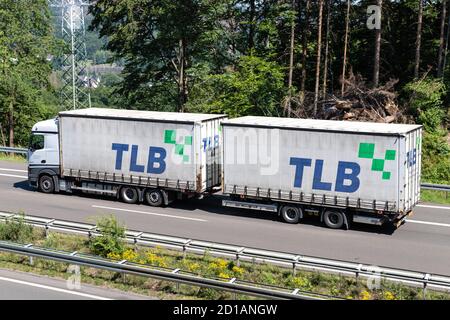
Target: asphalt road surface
{"points": [[422, 243], [24, 286]]}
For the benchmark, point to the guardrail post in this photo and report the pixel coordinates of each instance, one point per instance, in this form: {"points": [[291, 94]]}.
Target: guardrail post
{"points": [[185, 247], [234, 292], [238, 252], [123, 274], [294, 265], [425, 283], [358, 270], [177, 284], [47, 227], [136, 238], [30, 257]]}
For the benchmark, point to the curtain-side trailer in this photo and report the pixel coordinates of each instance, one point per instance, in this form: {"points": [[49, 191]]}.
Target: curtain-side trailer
{"points": [[343, 171]]}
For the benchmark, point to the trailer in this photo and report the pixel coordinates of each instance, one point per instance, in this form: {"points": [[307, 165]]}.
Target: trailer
{"points": [[134, 155], [341, 171]]}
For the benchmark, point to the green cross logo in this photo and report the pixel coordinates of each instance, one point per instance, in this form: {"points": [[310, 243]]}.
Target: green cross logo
{"points": [[367, 150], [170, 137]]}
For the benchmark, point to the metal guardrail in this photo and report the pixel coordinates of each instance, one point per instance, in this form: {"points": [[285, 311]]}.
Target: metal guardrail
{"points": [[175, 275], [436, 187], [14, 150], [239, 253]]}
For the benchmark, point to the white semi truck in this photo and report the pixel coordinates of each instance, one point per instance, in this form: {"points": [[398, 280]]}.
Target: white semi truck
{"points": [[341, 171]]}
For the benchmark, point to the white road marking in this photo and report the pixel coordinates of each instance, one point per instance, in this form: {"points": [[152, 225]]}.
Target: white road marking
{"points": [[430, 223], [433, 207], [54, 289], [12, 170], [12, 175], [151, 213]]}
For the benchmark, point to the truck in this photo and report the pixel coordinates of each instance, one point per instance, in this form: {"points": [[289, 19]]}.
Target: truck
{"points": [[343, 172], [135, 156]]}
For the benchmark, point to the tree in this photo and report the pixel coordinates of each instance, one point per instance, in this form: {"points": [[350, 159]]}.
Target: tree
{"points": [[418, 40], [160, 40], [291, 60], [255, 87], [305, 47], [319, 46], [26, 41]]}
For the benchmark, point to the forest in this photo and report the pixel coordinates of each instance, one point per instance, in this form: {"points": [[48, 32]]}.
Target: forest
{"points": [[377, 60]]}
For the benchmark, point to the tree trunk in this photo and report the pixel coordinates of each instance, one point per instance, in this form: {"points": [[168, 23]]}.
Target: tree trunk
{"points": [[291, 62], [251, 32], [182, 89], [304, 48], [418, 40], [325, 67], [441, 40], [344, 63], [376, 62], [447, 38], [319, 45], [2, 135]]}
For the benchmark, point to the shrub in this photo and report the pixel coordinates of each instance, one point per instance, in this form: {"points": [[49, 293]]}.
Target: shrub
{"points": [[16, 230], [111, 237], [426, 98]]}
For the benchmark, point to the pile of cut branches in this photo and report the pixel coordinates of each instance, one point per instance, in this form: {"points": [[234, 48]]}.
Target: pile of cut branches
{"points": [[358, 103]]}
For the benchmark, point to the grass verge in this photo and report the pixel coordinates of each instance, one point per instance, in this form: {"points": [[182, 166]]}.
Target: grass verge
{"points": [[441, 197], [12, 157], [204, 265]]}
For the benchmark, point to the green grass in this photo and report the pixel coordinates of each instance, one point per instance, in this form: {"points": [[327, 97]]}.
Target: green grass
{"points": [[204, 265], [435, 196], [13, 157]]}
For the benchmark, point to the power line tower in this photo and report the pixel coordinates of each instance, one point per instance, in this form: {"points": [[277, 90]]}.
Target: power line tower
{"points": [[76, 83]]}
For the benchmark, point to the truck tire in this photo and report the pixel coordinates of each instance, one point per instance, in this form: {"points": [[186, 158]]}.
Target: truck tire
{"points": [[154, 197], [291, 214], [46, 184], [129, 194], [334, 219]]}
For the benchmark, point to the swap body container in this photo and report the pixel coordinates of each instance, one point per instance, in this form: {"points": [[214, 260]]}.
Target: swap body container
{"points": [[368, 166], [179, 151]]}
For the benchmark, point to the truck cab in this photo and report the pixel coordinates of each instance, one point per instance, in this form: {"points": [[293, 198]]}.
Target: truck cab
{"points": [[43, 156]]}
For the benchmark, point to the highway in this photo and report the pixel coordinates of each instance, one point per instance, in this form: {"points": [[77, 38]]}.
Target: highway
{"points": [[16, 285], [422, 243]]}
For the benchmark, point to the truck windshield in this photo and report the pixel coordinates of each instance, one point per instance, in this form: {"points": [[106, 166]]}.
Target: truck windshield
{"points": [[37, 142]]}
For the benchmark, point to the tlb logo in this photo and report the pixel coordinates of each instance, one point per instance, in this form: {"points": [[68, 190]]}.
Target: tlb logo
{"points": [[182, 143], [367, 151], [346, 175]]}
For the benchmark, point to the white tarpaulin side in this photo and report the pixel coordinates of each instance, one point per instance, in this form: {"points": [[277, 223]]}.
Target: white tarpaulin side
{"points": [[344, 169], [146, 152]]}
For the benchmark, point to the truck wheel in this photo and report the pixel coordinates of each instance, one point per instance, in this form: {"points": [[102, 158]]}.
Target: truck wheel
{"points": [[291, 214], [333, 219], [154, 197], [46, 184], [129, 194]]}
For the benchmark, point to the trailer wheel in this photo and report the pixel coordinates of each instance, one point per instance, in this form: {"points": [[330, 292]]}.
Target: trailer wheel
{"points": [[46, 184], [333, 219], [154, 197], [129, 194], [291, 214]]}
